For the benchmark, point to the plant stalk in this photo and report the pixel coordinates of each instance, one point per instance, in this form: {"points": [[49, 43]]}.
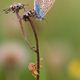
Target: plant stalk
{"points": [[37, 47], [36, 39]]}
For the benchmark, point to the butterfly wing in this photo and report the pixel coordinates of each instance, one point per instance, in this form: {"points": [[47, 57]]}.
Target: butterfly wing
{"points": [[38, 10], [46, 5], [41, 7]]}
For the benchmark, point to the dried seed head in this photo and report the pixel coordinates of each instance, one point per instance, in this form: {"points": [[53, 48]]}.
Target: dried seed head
{"points": [[14, 8], [28, 14]]}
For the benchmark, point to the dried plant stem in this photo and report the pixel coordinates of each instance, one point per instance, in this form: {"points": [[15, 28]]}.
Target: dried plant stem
{"points": [[20, 22], [36, 39], [37, 47], [23, 32]]}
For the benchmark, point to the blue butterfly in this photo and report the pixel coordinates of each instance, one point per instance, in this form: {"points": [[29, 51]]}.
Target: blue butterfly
{"points": [[41, 7]]}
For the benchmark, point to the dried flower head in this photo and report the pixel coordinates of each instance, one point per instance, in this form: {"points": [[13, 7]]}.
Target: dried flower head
{"points": [[27, 14], [14, 8]]}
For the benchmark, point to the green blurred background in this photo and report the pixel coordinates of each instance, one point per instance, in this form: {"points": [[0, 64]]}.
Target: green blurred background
{"points": [[59, 39]]}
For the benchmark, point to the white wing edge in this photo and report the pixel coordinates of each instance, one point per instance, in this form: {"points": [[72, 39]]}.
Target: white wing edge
{"points": [[50, 6]]}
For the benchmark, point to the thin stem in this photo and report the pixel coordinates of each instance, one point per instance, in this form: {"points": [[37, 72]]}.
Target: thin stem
{"points": [[23, 32], [37, 47], [20, 22], [36, 39], [32, 48]]}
